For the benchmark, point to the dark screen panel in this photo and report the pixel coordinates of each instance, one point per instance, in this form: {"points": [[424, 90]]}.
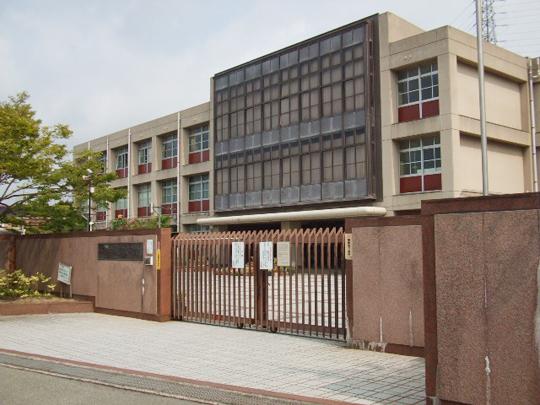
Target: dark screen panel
{"points": [[121, 251]]}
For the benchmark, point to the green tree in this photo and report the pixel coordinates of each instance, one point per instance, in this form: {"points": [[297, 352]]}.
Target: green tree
{"points": [[40, 187]]}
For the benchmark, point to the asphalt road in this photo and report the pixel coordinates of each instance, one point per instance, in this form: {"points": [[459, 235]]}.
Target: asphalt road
{"points": [[21, 387]]}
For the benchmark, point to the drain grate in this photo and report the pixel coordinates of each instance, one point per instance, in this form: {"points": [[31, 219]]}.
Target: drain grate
{"points": [[174, 389]]}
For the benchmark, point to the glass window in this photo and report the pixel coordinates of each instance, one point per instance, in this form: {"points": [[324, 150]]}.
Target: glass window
{"points": [[168, 192], [122, 203], [144, 152], [143, 195], [169, 147], [417, 84], [420, 156], [198, 139], [198, 187], [122, 157]]}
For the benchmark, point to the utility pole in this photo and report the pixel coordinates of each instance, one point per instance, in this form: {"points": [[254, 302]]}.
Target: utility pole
{"points": [[481, 91], [488, 21]]}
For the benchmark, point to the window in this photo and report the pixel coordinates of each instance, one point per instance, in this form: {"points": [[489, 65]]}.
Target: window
{"points": [[418, 92], [101, 213], [103, 160], [196, 228], [198, 193], [143, 200], [420, 164], [198, 144], [122, 161], [168, 196], [144, 151], [121, 207], [169, 147]]}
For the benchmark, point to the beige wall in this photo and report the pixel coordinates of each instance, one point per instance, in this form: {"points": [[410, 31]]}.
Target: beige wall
{"points": [[116, 285], [487, 275], [387, 286], [504, 101], [505, 166]]}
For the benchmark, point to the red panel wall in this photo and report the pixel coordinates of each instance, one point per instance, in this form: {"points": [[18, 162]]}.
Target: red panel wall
{"points": [[430, 108], [409, 113], [145, 168], [167, 209], [196, 206], [432, 182], [101, 216], [120, 213], [122, 172], [168, 163], [143, 211], [198, 157], [410, 184]]}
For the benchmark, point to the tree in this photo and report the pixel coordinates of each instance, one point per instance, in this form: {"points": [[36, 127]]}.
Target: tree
{"points": [[39, 186]]}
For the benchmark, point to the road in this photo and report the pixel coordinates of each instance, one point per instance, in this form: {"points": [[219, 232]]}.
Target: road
{"points": [[22, 387]]}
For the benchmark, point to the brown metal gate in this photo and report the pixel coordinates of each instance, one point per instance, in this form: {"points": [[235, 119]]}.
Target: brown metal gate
{"points": [[305, 298]]}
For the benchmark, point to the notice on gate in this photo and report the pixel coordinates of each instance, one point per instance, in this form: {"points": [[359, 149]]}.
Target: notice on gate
{"points": [[266, 255], [64, 273], [238, 261], [283, 254]]}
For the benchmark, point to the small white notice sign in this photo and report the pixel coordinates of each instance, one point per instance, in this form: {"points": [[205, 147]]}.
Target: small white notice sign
{"points": [[283, 254], [238, 260], [266, 255], [64, 273], [149, 246]]}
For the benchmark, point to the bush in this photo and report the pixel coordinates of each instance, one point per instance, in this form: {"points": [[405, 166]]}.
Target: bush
{"points": [[19, 285], [141, 223]]}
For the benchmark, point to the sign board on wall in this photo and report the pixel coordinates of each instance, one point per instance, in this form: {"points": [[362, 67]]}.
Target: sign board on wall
{"points": [[238, 260], [348, 246], [64, 273], [149, 246], [283, 254], [266, 255]]}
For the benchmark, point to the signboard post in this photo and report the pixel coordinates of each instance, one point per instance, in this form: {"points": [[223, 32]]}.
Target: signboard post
{"points": [[238, 260], [266, 256], [64, 275], [283, 254]]}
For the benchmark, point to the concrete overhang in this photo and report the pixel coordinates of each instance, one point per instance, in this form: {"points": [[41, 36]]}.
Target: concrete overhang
{"points": [[333, 213]]}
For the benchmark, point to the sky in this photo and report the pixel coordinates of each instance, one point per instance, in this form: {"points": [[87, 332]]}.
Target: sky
{"points": [[101, 66]]}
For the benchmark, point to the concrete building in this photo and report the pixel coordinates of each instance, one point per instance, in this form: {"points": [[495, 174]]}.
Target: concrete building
{"points": [[375, 113]]}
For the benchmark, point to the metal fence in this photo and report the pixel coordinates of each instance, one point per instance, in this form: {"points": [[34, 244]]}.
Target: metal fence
{"points": [[306, 297]]}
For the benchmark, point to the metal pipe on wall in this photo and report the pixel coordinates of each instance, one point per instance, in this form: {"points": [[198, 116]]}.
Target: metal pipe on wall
{"points": [[178, 172], [481, 88], [333, 213], [129, 175], [531, 77]]}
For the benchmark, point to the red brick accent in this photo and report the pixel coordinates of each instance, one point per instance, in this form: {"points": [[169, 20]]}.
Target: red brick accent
{"points": [[121, 173], [205, 205], [432, 182], [168, 163], [101, 216], [430, 108], [145, 168], [143, 211], [409, 113], [410, 184], [205, 155], [120, 213]]}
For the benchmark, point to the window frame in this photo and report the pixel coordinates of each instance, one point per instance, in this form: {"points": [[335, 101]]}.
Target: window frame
{"points": [[201, 180], [169, 147], [201, 136], [147, 189], [434, 145], [144, 149], [122, 157], [169, 192], [418, 78]]}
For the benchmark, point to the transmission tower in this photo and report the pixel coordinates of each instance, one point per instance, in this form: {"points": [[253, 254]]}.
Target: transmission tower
{"points": [[488, 21]]}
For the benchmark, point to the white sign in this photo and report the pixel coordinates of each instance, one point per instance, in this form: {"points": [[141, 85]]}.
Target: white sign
{"points": [[64, 273], [238, 255], [348, 246], [149, 246], [283, 254], [266, 255]]}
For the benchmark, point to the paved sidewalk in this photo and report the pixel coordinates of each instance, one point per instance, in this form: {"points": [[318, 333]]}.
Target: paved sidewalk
{"points": [[258, 360]]}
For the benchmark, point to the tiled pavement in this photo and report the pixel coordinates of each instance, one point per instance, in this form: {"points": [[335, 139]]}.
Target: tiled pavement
{"points": [[273, 362]]}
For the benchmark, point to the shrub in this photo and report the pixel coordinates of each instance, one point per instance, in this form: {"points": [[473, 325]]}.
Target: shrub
{"points": [[141, 223], [18, 285]]}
